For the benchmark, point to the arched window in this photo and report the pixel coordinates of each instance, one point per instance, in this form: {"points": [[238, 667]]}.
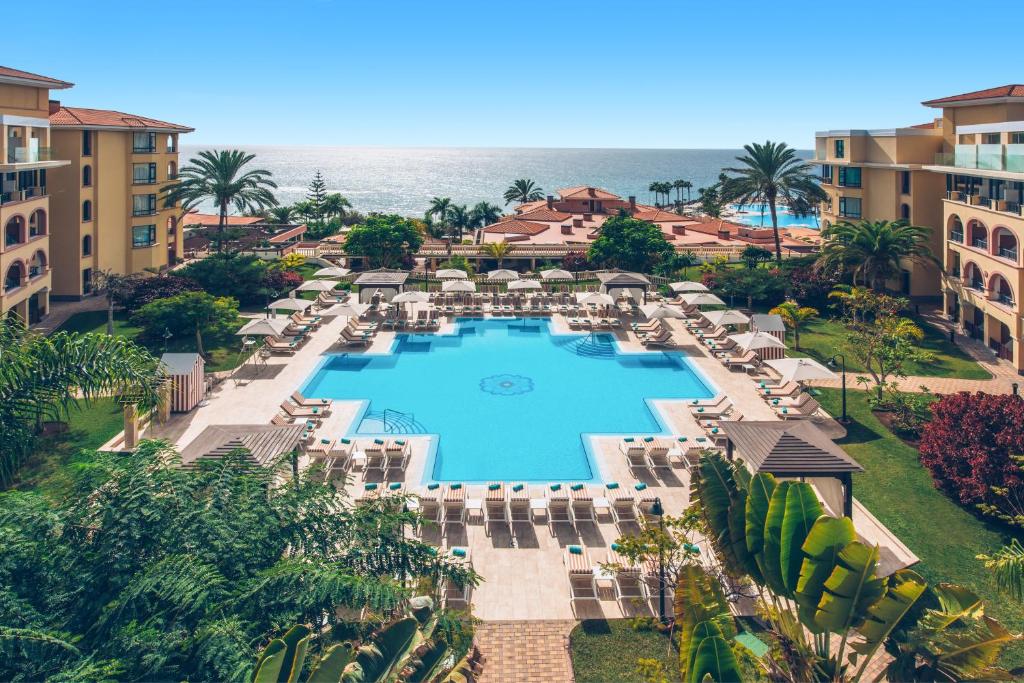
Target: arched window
{"points": [[87, 245], [977, 234], [172, 224], [87, 176], [1004, 243], [956, 229], [15, 274], [973, 277], [37, 223], [14, 231], [37, 266], [905, 212], [1001, 290], [172, 170], [87, 210]]}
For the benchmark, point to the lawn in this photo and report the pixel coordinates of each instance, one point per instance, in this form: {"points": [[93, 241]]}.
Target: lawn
{"points": [[899, 492], [222, 351], [608, 651], [822, 338]]}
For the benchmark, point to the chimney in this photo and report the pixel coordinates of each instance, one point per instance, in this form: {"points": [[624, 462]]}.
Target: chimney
{"points": [[632, 203], [551, 202], [54, 107]]}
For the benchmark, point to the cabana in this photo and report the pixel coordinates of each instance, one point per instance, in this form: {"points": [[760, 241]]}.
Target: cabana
{"points": [[261, 443], [770, 323], [188, 383], [795, 450], [615, 282], [387, 282]]}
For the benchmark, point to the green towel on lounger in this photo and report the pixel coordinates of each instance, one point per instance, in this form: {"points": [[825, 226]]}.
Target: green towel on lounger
{"points": [[346, 441], [316, 410], [628, 439], [714, 430], [785, 410], [700, 410], [394, 486], [640, 487], [459, 552], [683, 439], [701, 439], [577, 487], [325, 440], [370, 487], [493, 487], [575, 550], [556, 487], [433, 487], [648, 439], [615, 546], [518, 487], [379, 442], [612, 485], [455, 487], [400, 442]]}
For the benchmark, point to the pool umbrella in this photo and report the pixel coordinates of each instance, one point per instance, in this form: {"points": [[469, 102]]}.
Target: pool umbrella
{"points": [[800, 369], [556, 274], [451, 274], [350, 310], [333, 271], [317, 285], [752, 341], [264, 327], [411, 298], [702, 299], [290, 304], [726, 318], [458, 286], [502, 274], [587, 298], [653, 311], [524, 284], [687, 287]]}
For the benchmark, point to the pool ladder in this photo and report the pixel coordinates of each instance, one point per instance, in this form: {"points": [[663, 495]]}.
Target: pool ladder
{"points": [[409, 418]]}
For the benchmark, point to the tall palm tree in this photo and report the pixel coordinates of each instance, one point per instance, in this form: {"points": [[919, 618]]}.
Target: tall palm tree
{"points": [[439, 210], [222, 176], [1008, 566], [485, 214], [522, 191], [687, 185], [679, 186], [460, 219], [872, 250], [498, 251], [654, 188], [335, 205], [280, 215], [768, 173]]}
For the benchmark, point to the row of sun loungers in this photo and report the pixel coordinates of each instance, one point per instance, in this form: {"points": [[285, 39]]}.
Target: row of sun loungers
{"points": [[588, 323]]}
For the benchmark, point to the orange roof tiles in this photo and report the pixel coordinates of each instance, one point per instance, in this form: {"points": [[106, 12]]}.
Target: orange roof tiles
{"points": [[8, 72], [212, 219], [1012, 90], [658, 216], [545, 215], [586, 192], [530, 206], [515, 227], [80, 117]]}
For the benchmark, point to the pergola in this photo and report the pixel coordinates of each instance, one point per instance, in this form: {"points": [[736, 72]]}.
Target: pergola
{"points": [[261, 443], [615, 281], [794, 450], [388, 282]]}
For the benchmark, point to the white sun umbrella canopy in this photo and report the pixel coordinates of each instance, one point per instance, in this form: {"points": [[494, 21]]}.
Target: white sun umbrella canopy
{"points": [[524, 284], [271, 327], [800, 369], [411, 298], [682, 287], [702, 299], [730, 317], [502, 274], [350, 309], [451, 274], [317, 285], [333, 271], [556, 274], [290, 304], [597, 298], [653, 311], [458, 286], [752, 341]]}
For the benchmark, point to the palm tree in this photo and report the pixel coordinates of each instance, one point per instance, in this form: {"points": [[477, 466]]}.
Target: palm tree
{"points": [[335, 205], [440, 208], [221, 176], [770, 172], [687, 185], [1008, 566], [679, 185], [872, 250], [794, 316], [853, 300], [522, 191], [484, 214], [654, 188], [280, 215], [498, 251], [459, 219]]}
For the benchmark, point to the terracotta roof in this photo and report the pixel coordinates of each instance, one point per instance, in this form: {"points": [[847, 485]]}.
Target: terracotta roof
{"points": [[1012, 90], [658, 216], [7, 72], [213, 220], [546, 215], [80, 117], [586, 192], [530, 206], [515, 227]]}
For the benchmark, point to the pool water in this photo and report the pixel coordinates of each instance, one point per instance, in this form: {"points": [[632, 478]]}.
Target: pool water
{"points": [[507, 399], [755, 217]]}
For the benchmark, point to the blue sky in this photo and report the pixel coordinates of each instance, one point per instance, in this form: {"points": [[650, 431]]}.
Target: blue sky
{"points": [[562, 73]]}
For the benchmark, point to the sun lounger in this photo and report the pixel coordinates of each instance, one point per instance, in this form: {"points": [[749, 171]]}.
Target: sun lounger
{"points": [[663, 339], [519, 503], [396, 454], [375, 458], [735, 361], [805, 410], [338, 458], [622, 504], [301, 400], [309, 412], [657, 453], [581, 504], [558, 506], [648, 326], [799, 400], [779, 391], [495, 506], [451, 592], [454, 505], [429, 502], [635, 452], [580, 571], [629, 582], [348, 339], [711, 411], [369, 492]]}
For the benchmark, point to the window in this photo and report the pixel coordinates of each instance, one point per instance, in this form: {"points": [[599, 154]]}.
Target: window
{"points": [[87, 245], [990, 139], [849, 176], [826, 175], [849, 207], [905, 212], [172, 170], [905, 182], [143, 174], [86, 143], [840, 148], [87, 281], [87, 176], [143, 235], [87, 210], [172, 144], [966, 139], [1017, 137], [143, 204], [144, 142]]}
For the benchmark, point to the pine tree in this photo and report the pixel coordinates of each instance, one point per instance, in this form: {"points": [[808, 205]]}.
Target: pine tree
{"points": [[316, 195]]}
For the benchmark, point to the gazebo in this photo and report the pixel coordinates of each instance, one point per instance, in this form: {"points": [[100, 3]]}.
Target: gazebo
{"points": [[261, 442], [387, 282], [613, 282], [770, 323], [795, 450], [188, 384]]}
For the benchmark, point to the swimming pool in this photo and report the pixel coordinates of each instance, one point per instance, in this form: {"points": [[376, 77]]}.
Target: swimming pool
{"points": [[753, 216], [507, 399]]}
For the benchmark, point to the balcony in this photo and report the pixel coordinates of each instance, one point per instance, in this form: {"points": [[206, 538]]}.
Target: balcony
{"points": [[977, 285], [22, 195], [27, 154], [956, 236], [1000, 157], [1000, 205], [1010, 254], [143, 149], [1005, 299], [979, 243]]}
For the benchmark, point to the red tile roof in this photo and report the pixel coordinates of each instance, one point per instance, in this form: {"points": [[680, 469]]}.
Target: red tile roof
{"points": [[515, 227], [530, 206], [545, 215], [80, 117], [8, 72], [658, 216], [1012, 90], [586, 192], [213, 220]]}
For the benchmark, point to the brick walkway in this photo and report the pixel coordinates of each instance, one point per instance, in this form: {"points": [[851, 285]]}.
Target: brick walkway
{"points": [[60, 311], [1004, 375], [525, 651]]}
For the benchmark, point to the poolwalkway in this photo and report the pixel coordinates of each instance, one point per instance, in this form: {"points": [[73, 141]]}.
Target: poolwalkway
{"points": [[525, 651]]}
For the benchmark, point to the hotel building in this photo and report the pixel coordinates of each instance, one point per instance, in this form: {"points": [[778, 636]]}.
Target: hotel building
{"points": [[26, 160], [108, 206], [961, 175]]}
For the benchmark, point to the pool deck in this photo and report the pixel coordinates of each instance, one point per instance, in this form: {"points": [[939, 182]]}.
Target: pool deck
{"points": [[523, 570]]}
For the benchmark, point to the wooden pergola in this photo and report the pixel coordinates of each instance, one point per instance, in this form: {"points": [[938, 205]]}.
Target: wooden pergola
{"points": [[389, 282], [615, 281], [261, 443]]}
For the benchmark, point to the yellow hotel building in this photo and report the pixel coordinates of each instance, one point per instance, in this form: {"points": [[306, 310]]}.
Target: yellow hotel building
{"points": [[26, 167], [107, 204], [962, 176]]}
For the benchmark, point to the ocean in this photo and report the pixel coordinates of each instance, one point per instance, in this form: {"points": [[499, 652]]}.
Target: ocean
{"points": [[402, 180]]}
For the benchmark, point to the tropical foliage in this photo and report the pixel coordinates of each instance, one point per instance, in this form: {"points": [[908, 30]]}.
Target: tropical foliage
{"points": [[246, 278], [758, 285], [483, 214], [152, 571], [871, 251], [794, 316], [497, 251], [884, 345], [522, 191], [195, 313], [769, 173], [42, 378], [135, 291], [385, 241], [629, 244]]}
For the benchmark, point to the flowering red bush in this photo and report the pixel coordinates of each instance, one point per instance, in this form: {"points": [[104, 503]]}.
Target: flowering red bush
{"points": [[968, 445], [281, 281]]}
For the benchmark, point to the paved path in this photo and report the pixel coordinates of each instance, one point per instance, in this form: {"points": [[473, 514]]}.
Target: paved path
{"points": [[1004, 375], [525, 651], [60, 311]]}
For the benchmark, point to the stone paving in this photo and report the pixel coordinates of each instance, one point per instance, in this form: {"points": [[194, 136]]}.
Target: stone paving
{"points": [[525, 651]]}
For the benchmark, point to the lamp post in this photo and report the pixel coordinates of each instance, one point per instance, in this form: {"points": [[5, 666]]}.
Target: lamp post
{"points": [[832, 361], [658, 511]]}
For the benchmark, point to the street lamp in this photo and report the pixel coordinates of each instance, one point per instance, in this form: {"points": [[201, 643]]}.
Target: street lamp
{"points": [[832, 361], [658, 511]]}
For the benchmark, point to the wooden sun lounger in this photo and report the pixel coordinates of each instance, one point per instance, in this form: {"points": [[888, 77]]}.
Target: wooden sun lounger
{"points": [[301, 400], [519, 503], [558, 507], [454, 505], [622, 505], [581, 504], [304, 411], [495, 506], [580, 571]]}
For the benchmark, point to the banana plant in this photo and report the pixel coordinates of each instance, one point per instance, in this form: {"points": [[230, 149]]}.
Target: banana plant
{"points": [[698, 600], [708, 655]]}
